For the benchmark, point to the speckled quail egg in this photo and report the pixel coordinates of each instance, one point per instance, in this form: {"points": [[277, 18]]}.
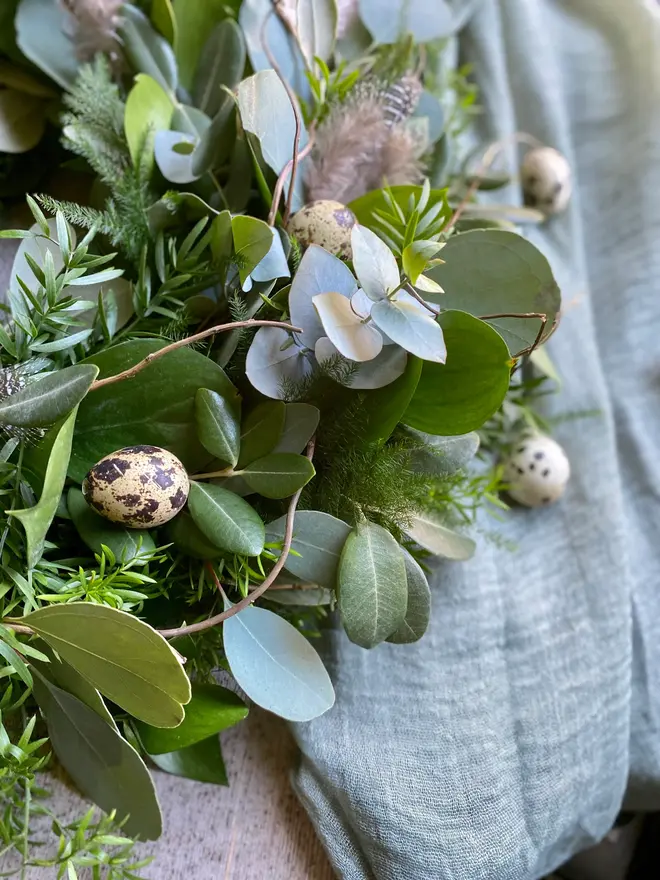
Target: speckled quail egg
{"points": [[537, 471], [327, 224], [139, 486], [546, 180]]}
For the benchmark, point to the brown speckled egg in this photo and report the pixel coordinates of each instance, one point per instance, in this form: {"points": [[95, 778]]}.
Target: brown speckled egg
{"points": [[140, 487], [327, 224]]}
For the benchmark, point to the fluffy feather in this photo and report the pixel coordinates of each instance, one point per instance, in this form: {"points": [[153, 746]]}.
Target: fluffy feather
{"points": [[95, 26]]}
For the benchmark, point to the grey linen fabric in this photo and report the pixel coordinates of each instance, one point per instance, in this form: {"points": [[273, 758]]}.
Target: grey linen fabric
{"points": [[503, 742]]}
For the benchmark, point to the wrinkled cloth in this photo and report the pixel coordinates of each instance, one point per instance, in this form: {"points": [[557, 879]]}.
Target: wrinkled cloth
{"points": [[505, 740]]}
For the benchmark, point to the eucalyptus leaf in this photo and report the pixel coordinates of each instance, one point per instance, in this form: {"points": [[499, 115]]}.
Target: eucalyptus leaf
{"points": [[372, 585], [47, 400], [274, 264], [318, 540], [164, 20], [148, 110], [102, 764], [261, 431], [221, 63], [266, 112], [418, 609], [22, 121], [211, 709], [374, 263], [226, 519], [96, 530], [351, 335], [218, 425], [431, 534], [173, 151], [156, 407], [276, 666], [252, 241], [462, 394], [444, 455], [302, 596], [519, 280], [37, 520], [201, 762], [385, 407], [274, 359], [411, 326], [195, 20], [319, 272], [122, 657], [390, 20], [145, 49], [316, 26], [300, 423], [41, 32], [278, 475], [383, 370]]}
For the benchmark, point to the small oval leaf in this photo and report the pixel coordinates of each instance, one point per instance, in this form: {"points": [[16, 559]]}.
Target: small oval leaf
{"points": [[418, 609], [261, 430], [226, 519], [278, 475], [218, 425], [43, 402]]}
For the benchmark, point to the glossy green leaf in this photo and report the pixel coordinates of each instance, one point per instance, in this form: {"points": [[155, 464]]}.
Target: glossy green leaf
{"points": [[318, 540], [156, 408], [211, 709], [164, 20], [261, 431], [519, 280], [222, 241], [276, 666], [187, 538], [418, 609], [37, 520], [386, 406], [45, 401], [317, 27], [148, 110], [124, 658], [279, 474], [41, 31], [390, 20], [195, 20], [462, 394], [252, 241], [407, 323], [431, 534], [228, 521], [145, 49], [372, 585], [95, 530], [13, 658], [218, 425], [102, 764], [22, 121], [443, 455], [201, 762], [300, 423], [221, 63]]}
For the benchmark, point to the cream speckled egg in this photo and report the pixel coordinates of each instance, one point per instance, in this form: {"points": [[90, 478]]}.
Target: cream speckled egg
{"points": [[537, 471], [139, 486], [327, 224], [546, 180]]}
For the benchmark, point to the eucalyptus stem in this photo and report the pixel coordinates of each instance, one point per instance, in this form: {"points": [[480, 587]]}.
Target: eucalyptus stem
{"points": [[259, 590]]}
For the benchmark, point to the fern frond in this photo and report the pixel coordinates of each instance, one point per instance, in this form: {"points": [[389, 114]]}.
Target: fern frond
{"points": [[78, 215]]}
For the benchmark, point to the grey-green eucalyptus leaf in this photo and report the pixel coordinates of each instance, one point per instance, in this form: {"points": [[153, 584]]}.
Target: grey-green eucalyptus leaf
{"points": [[418, 609], [318, 540], [433, 535]]}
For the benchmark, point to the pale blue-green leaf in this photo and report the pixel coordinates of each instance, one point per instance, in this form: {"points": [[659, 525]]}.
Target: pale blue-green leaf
{"points": [[411, 326], [145, 49], [276, 666], [279, 474], [228, 521], [274, 264], [221, 63], [103, 765], [300, 423], [190, 120], [374, 263], [174, 166], [351, 335], [37, 520], [274, 360], [95, 530], [431, 534], [318, 540], [148, 110], [372, 585], [44, 401], [266, 112], [381, 371], [430, 107], [319, 272], [42, 29], [418, 609], [317, 28], [390, 20], [446, 455]]}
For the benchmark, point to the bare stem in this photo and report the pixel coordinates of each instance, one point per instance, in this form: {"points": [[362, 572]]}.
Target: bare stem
{"points": [[17, 627], [281, 180], [182, 343], [541, 316], [258, 591], [411, 290]]}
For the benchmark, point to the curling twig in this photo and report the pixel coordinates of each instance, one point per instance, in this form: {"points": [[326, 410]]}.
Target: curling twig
{"points": [[258, 591], [542, 317]]}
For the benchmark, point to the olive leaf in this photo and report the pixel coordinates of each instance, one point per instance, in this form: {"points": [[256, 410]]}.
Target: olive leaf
{"points": [[195, 20], [124, 658], [45, 401], [221, 63], [226, 520]]}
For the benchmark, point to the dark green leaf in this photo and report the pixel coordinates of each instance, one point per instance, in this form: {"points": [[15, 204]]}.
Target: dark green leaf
{"points": [[372, 585], [145, 49], [459, 396], [517, 280], [261, 431], [156, 408], [385, 406], [300, 423], [221, 63], [103, 765], [195, 20], [163, 19], [418, 609], [227, 520], [201, 762], [185, 535], [124, 658], [252, 241], [211, 709], [45, 401], [318, 540], [95, 530], [218, 425], [278, 475]]}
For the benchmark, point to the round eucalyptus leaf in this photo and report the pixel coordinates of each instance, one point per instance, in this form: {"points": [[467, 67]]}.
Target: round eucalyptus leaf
{"points": [[460, 395], [274, 360], [354, 338], [319, 272], [175, 165], [411, 326], [226, 520], [374, 263], [390, 20]]}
